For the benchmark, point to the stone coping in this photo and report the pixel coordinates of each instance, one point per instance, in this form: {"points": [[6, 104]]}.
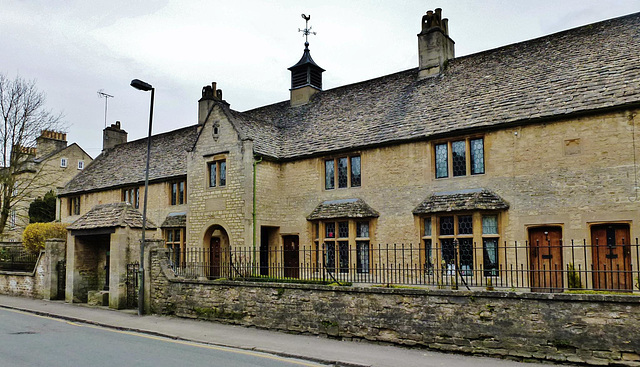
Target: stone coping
{"points": [[559, 297]]}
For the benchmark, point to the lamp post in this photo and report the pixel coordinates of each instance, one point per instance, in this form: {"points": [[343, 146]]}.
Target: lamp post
{"points": [[140, 85]]}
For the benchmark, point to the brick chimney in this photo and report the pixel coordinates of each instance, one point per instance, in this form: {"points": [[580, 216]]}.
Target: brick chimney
{"points": [[113, 135], [435, 47], [210, 95], [49, 142]]}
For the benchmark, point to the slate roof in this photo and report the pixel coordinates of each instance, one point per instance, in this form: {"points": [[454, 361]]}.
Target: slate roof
{"points": [[582, 69], [473, 199], [110, 215], [125, 163], [345, 208], [175, 220]]}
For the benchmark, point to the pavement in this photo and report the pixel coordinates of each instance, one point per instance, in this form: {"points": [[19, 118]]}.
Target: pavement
{"points": [[308, 347]]}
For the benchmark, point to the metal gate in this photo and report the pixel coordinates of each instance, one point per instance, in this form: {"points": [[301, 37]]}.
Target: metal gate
{"points": [[132, 285], [61, 268]]}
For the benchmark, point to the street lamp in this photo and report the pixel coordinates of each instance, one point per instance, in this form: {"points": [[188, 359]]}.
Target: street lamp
{"points": [[140, 85]]}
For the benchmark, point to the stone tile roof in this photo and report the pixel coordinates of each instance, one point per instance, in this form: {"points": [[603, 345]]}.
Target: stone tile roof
{"points": [[473, 199], [125, 163], [175, 220], [576, 71], [579, 70], [110, 215], [345, 208]]}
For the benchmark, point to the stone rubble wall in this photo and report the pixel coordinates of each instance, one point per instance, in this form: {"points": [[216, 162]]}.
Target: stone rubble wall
{"points": [[595, 329], [25, 284]]}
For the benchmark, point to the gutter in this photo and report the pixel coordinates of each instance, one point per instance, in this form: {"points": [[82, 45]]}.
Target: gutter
{"points": [[255, 164]]}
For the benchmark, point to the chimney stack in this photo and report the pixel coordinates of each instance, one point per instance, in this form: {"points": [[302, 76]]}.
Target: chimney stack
{"points": [[210, 95], [113, 135], [49, 142], [435, 47]]}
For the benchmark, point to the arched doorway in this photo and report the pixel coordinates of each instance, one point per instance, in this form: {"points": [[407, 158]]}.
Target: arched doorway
{"points": [[216, 252]]}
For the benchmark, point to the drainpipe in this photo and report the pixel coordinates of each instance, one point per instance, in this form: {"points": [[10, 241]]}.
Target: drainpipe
{"points": [[255, 163]]}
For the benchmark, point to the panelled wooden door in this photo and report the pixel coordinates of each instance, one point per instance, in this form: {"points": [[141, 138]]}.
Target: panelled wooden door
{"points": [[545, 259], [291, 256], [611, 257], [215, 252]]}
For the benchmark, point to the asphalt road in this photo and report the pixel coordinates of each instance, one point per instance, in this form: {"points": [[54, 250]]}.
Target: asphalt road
{"points": [[31, 340]]}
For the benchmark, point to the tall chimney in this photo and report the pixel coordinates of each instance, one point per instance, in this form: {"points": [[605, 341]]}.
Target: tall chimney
{"points": [[49, 142], [113, 135], [435, 47], [209, 96]]}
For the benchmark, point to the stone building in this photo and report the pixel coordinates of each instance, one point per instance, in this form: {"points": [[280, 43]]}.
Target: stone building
{"points": [[532, 142], [51, 164]]}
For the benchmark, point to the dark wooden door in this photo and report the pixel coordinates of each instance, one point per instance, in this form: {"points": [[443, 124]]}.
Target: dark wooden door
{"points": [[291, 256], [214, 257], [611, 257], [545, 259], [264, 251]]}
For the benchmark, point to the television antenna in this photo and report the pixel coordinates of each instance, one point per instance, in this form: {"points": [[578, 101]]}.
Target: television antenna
{"points": [[106, 97]]}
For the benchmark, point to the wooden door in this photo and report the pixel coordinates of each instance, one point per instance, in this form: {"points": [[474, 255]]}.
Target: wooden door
{"points": [[215, 252], [291, 256], [545, 259], [611, 257], [264, 251]]}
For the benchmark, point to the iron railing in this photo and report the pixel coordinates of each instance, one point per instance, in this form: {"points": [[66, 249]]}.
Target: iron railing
{"points": [[16, 258], [456, 264]]}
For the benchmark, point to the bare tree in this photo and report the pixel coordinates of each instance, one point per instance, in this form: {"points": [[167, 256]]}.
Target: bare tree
{"points": [[23, 118]]}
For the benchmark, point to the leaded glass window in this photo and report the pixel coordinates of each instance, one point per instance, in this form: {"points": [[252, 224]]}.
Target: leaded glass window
{"points": [[362, 256], [427, 226], [458, 149], [465, 246], [329, 174], [330, 229], [465, 224], [446, 226], [343, 256], [477, 156], [362, 229], [343, 229], [223, 173], [330, 253], [213, 174], [355, 171], [490, 224], [442, 157], [490, 247], [342, 173]]}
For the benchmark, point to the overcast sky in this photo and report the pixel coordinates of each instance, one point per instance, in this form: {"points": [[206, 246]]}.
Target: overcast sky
{"points": [[74, 48]]}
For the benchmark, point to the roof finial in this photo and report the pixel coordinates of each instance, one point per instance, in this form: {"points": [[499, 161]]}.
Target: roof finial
{"points": [[307, 30]]}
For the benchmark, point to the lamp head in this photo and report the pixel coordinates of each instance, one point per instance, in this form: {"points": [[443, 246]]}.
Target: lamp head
{"points": [[140, 85]]}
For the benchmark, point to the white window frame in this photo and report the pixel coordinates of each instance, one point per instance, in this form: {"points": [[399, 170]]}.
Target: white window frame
{"points": [[80, 164], [64, 162]]}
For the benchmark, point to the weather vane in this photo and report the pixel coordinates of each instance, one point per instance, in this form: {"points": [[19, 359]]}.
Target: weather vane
{"points": [[106, 97], [307, 30]]}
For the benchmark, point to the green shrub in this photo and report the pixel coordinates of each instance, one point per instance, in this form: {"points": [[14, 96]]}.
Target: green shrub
{"points": [[573, 277], [35, 234]]}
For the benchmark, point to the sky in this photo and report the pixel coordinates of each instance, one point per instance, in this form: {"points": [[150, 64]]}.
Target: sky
{"points": [[75, 48]]}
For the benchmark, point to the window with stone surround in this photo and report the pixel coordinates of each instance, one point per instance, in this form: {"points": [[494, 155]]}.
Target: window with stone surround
{"points": [[346, 244], [342, 172], [217, 173], [131, 195], [74, 205], [178, 192], [174, 239], [459, 157], [448, 239]]}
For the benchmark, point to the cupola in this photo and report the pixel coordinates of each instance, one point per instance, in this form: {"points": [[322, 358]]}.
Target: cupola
{"points": [[306, 75]]}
